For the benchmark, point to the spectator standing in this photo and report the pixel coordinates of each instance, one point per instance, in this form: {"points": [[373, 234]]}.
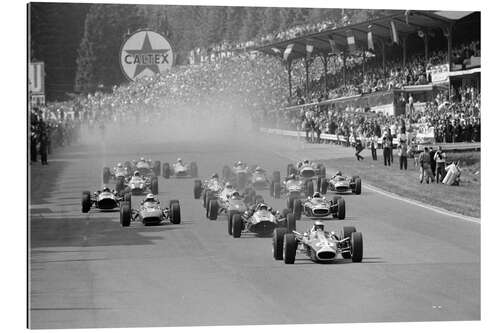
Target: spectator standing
{"points": [[425, 166], [432, 154], [386, 148], [403, 155], [389, 138], [359, 148], [440, 158], [373, 145]]}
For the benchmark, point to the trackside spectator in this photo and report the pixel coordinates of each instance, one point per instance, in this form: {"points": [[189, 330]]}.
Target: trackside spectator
{"points": [[386, 146], [425, 166], [403, 155], [440, 158]]}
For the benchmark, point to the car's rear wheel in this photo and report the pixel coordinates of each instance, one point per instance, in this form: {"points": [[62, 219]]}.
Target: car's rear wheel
{"points": [[229, 222], [324, 185], [197, 189], [278, 238], [322, 171], [347, 232], [309, 188], [289, 249], [289, 203], [128, 198], [213, 209], [291, 222], [157, 168], [276, 176], [271, 189], [357, 186], [175, 212], [297, 209], [166, 170], [277, 190], [154, 186], [86, 202], [237, 224], [125, 215], [341, 209], [356, 247]]}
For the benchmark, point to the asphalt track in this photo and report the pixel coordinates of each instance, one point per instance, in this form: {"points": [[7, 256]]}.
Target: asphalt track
{"points": [[87, 271]]}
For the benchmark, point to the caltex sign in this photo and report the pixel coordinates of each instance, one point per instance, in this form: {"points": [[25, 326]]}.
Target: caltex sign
{"points": [[146, 53]]}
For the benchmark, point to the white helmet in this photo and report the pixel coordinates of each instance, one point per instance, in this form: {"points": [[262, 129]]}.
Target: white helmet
{"points": [[150, 197], [120, 165], [179, 160], [319, 226], [143, 159]]}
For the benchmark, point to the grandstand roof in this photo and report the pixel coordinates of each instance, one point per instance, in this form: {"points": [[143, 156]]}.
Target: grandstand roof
{"points": [[406, 22]]}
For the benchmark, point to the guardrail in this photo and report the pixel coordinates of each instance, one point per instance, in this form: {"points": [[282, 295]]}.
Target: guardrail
{"points": [[463, 146]]}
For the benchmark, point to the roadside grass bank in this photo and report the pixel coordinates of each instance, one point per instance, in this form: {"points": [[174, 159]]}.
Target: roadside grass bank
{"points": [[464, 199]]}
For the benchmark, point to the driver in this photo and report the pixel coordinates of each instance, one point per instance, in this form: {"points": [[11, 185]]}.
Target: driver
{"points": [[179, 161], [105, 189], [316, 195], [293, 176], [318, 226], [215, 176], [236, 195], [258, 206], [259, 169], [239, 164], [119, 165], [137, 174], [150, 198], [143, 159]]}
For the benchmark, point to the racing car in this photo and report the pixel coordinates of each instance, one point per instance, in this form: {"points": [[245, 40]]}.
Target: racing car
{"points": [[149, 212], [103, 200], [261, 220], [138, 184], [147, 168], [293, 188], [180, 169], [201, 188], [318, 206], [121, 170], [227, 201], [239, 174], [259, 179], [318, 244], [342, 184]]}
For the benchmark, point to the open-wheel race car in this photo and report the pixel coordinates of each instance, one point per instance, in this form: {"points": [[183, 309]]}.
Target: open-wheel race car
{"points": [[259, 180], [150, 212], [318, 244], [146, 168], [344, 184], [228, 201], [138, 184], [103, 200], [318, 206], [201, 188], [261, 220], [179, 169], [239, 174], [120, 171]]}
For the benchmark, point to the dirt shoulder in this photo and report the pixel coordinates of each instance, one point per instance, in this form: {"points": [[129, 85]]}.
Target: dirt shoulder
{"points": [[464, 199]]}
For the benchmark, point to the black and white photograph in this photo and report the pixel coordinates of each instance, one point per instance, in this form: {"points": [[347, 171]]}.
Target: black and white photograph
{"points": [[195, 165]]}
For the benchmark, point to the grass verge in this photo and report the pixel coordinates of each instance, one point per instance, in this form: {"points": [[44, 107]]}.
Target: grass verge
{"points": [[464, 199]]}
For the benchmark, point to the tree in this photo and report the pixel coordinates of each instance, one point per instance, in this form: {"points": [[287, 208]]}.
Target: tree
{"points": [[251, 23]]}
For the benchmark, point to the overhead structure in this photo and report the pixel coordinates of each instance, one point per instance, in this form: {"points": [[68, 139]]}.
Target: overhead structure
{"points": [[374, 34]]}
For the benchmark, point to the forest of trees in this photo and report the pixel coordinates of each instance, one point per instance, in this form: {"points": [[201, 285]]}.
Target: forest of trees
{"points": [[80, 42]]}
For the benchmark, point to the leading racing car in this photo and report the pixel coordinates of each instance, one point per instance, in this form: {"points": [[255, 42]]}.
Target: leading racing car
{"points": [[104, 199], [149, 212], [180, 169], [343, 184], [318, 244]]}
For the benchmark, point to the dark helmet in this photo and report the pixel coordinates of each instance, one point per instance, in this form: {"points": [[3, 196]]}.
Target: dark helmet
{"points": [[338, 173], [215, 176], [137, 174], [316, 195], [106, 189]]}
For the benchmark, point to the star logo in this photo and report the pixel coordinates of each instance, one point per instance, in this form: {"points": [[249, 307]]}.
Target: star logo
{"points": [[137, 60]]}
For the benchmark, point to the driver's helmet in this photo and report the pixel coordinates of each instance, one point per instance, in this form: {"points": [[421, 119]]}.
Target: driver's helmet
{"points": [[150, 198], [120, 165], [259, 169], [179, 160], [136, 174], [316, 195], [235, 195], [215, 176], [229, 186], [262, 206], [306, 161], [143, 159], [319, 226], [338, 173], [239, 163], [106, 189]]}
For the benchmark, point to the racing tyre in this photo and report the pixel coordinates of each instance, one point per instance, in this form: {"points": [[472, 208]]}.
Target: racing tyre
{"points": [[347, 232], [157, 168], [206, 195], [166, 170], [197, 189], [213, 209], [341, 209], [237, 225], [276, 176], [289, 203], [291, 222], [271, 189], [289, 249], [86, 202], [278, 238], [106, 175], [309, 188], [297, 209], [175, 212], [194, 169], [154, 186], [229, 222], [356, 247], [357, 186], [322, 171], [125, 215], [276, 190]]}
